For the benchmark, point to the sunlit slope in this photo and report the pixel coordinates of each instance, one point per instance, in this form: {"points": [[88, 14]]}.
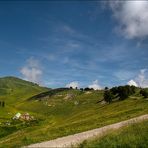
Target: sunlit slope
{"points": [[61, 115], [69, 111], [13, 90]]}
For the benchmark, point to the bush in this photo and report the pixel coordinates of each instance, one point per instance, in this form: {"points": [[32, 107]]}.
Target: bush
{"points": [[121, 92], [88, 89], [144, 93], [108, 96], [6, 130]]}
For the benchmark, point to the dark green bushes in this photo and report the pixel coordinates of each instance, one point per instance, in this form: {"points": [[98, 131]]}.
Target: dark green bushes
{"points": [[120, 92], [144, 93], [6, 130]]}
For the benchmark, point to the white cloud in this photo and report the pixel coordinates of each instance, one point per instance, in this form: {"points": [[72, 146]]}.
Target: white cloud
{"points": [[123, 74], [132, 83], [132, 17], [73, 84], [95, 85], [141, 80], [32, 71]]}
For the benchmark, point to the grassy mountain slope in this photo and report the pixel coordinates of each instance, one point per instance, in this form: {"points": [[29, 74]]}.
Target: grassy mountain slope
{"points": [[13, 90], [71, 111]]}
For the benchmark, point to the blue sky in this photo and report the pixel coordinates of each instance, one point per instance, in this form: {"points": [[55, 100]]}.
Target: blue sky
{"points": [[86, 43]]}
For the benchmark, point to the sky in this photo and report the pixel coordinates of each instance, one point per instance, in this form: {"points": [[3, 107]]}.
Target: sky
{"points": [[77, 43]]}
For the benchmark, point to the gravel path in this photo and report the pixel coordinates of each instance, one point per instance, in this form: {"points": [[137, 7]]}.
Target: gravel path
{"points": [[80, 137]]}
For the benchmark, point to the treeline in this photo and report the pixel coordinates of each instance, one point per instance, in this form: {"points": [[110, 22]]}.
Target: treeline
{"points": [[118, 93], [83, 89]]}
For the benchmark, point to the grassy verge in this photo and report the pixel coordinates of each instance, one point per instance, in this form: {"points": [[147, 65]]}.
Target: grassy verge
{"points": [[132, 136]]}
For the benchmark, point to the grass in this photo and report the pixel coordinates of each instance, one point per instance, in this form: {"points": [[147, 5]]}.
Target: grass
{"points": [[63, 117], [14, 90], [59, 116], [132, 136]]}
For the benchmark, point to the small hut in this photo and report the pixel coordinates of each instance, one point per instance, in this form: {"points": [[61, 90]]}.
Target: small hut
{"points": [[17, 116], [26, 117]]}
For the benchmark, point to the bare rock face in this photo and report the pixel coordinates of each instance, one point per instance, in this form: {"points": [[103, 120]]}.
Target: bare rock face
{"points": [[88, 92], [103, 102], [69, 96], [76, 103]]}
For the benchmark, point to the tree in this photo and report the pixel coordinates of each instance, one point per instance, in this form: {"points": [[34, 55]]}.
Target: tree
{"points": [[114, 90], [144, 93], [123, 92], [106, 88], [87, 89], [108, 96], [3, 104], [133, 89]]}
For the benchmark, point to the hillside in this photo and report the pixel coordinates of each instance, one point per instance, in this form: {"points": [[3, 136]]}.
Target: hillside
{"points": [[13, 90], [67, 112]]}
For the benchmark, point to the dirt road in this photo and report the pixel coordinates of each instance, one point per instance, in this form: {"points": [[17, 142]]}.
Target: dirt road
{"points": [[80, 137]]}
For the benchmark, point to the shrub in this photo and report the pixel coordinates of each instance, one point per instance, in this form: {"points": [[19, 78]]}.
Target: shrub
{"points": [[144, 93], [121, 92]]}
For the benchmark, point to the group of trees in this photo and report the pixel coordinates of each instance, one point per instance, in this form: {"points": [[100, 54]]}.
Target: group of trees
{"points": [[120, 92], [83, 89], [88, 89], [73, 88], [144, 93], [2, 103]]}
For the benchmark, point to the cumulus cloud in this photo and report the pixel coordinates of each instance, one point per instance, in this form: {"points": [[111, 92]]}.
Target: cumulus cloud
{"points": [[132, 17], [141, 80], [73, 84], [32, 71], [123, 74], [95, 85], [132, 83]]}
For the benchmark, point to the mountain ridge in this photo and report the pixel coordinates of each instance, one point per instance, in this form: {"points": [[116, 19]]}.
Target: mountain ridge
{"points": [[12, 88]]}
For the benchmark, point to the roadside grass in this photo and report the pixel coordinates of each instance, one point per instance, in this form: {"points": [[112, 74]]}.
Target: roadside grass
{"points": [[132, 136]]}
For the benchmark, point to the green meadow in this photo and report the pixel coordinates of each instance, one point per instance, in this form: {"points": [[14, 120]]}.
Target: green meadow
{"points": [[58, 113]]}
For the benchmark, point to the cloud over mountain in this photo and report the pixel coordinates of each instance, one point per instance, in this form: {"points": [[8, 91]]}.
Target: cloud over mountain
{"points": [[95, 85], [141, 80], [132, 83], [73, 84], [32, 71]]}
